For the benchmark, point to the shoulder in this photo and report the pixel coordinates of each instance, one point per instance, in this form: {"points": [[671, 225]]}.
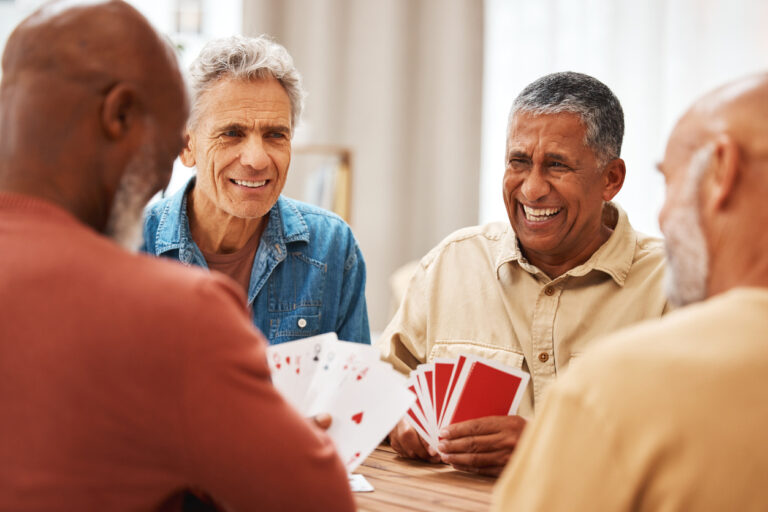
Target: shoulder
{"points": [[314, 216], [649, 247], [161, 218], [484, 238], [635, 359]]}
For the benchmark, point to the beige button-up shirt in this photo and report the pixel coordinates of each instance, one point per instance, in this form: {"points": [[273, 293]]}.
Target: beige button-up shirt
{"points": [[476, 293], [668, 415]]}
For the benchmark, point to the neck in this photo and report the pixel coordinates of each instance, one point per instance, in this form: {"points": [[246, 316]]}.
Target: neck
{"points": [[84, 203], [737, 263], [216, 231], [555, 265]]}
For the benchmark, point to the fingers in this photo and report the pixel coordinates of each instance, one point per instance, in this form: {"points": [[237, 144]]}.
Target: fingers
{"points": [[484, 463], [322, 421], [483, 426], [407, 442], [476, 444]]}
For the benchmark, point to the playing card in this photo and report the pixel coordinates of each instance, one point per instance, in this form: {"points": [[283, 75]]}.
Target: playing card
{"points": [[424, 393], [485, 388], [358, 483], [441, 378], [374, 399], [293, 365], [415, 416], [453, 390], [338, 360]]}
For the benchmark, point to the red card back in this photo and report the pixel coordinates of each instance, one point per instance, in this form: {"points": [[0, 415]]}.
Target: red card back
{"points": [[487, 392], [442, 378]]}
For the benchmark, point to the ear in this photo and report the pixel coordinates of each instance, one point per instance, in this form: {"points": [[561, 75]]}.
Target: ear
{"points": [[613, 178], [118, 110], [725, 172], [187, 155]]}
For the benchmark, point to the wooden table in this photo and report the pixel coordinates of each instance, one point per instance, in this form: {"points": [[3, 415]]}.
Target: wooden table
{"points": [[402, 484]]}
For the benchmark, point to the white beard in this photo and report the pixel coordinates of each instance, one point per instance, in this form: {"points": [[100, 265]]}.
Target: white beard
{"points": [[124, 224], [686, 246]]}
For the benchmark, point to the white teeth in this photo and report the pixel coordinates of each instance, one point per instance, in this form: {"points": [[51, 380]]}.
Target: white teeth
{"points": [[251, 184], [539, 214]]}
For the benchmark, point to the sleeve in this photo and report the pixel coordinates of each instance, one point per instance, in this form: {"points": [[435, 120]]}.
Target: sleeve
{"points": [[404, 342], [243, 444], [568, 459], [353, 311]]}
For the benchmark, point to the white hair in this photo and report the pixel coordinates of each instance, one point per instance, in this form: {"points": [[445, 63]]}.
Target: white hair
{"points": [[245, 58]]}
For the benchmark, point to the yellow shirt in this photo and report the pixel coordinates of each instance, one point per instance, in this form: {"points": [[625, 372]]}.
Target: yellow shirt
{"points": [[667, 415], [476, 293]]}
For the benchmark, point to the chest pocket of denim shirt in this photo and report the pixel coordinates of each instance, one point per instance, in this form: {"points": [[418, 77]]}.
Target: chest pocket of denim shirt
{"points": [[296, 297]]}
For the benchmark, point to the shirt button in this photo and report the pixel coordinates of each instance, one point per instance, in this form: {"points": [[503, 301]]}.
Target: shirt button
{"points": [[543, 357], [302, 323], [549, 290]]}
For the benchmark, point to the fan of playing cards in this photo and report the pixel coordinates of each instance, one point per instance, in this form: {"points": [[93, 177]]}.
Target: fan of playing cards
{"points": [[364, 395], [452, 390]]}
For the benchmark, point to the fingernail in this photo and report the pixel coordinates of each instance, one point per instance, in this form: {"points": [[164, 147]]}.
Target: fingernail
{"points": [[443, 432], [442, 446], [431, 451]]}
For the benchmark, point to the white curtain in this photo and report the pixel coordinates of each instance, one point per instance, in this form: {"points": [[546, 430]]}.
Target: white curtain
{"points": [[398, 82], [656, 55]]}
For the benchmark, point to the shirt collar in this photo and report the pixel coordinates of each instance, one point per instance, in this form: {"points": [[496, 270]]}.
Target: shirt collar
{"points": [[285, 224], [614, 257]]}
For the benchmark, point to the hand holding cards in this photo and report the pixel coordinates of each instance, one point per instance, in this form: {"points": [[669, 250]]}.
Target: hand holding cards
{"points": [[364, 396], [454, 390]]}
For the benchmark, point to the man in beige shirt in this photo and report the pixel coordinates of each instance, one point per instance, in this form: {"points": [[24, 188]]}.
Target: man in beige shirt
{"points": [[671, 414], [535, 292]]}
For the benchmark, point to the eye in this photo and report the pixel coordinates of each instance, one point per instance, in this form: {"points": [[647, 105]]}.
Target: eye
{"points": [[232, 133], [560, 166], [276, 135]]}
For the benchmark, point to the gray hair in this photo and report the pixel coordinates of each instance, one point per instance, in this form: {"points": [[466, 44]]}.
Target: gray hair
{"points": [[245, 58], [589, 98]]}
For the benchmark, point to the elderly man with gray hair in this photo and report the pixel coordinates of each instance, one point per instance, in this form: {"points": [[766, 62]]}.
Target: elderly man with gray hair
{"points": [[535, 292], [299, 266]]}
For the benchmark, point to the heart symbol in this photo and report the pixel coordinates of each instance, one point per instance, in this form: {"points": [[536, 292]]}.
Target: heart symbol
{"points": [[288, 360], [298, 370], [357, 418]]}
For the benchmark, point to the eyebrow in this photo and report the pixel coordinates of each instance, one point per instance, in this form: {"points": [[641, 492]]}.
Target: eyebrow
{"points": [[556, 156], [518, 154], [241, 127]]}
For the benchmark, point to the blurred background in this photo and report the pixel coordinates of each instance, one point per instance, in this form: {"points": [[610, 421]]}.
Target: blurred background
{"points": [[404, 127]]}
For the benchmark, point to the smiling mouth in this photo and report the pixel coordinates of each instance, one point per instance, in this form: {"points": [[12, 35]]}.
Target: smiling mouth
{"points": [[539, 214], [249, 184]]}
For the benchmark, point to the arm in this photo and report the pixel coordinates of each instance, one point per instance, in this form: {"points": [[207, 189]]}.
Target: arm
{"points": [[353, 312], [244, 445]]}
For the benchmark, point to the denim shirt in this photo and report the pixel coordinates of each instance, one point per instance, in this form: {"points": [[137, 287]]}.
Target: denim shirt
{"points": [[308, 274]]}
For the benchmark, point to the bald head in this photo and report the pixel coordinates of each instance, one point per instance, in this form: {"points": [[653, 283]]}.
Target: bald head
{"points": [[716, 169], [86, 86]]}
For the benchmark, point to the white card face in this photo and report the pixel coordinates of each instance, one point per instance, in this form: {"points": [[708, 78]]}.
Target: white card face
{"points": [[424, 378], [415, 414], [358, 483], [373, 400], [293, 365], [339, 359]]}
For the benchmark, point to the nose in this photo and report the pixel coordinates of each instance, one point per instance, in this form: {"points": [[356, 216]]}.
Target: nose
{"points": [[253, 153], [535, 186]]}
